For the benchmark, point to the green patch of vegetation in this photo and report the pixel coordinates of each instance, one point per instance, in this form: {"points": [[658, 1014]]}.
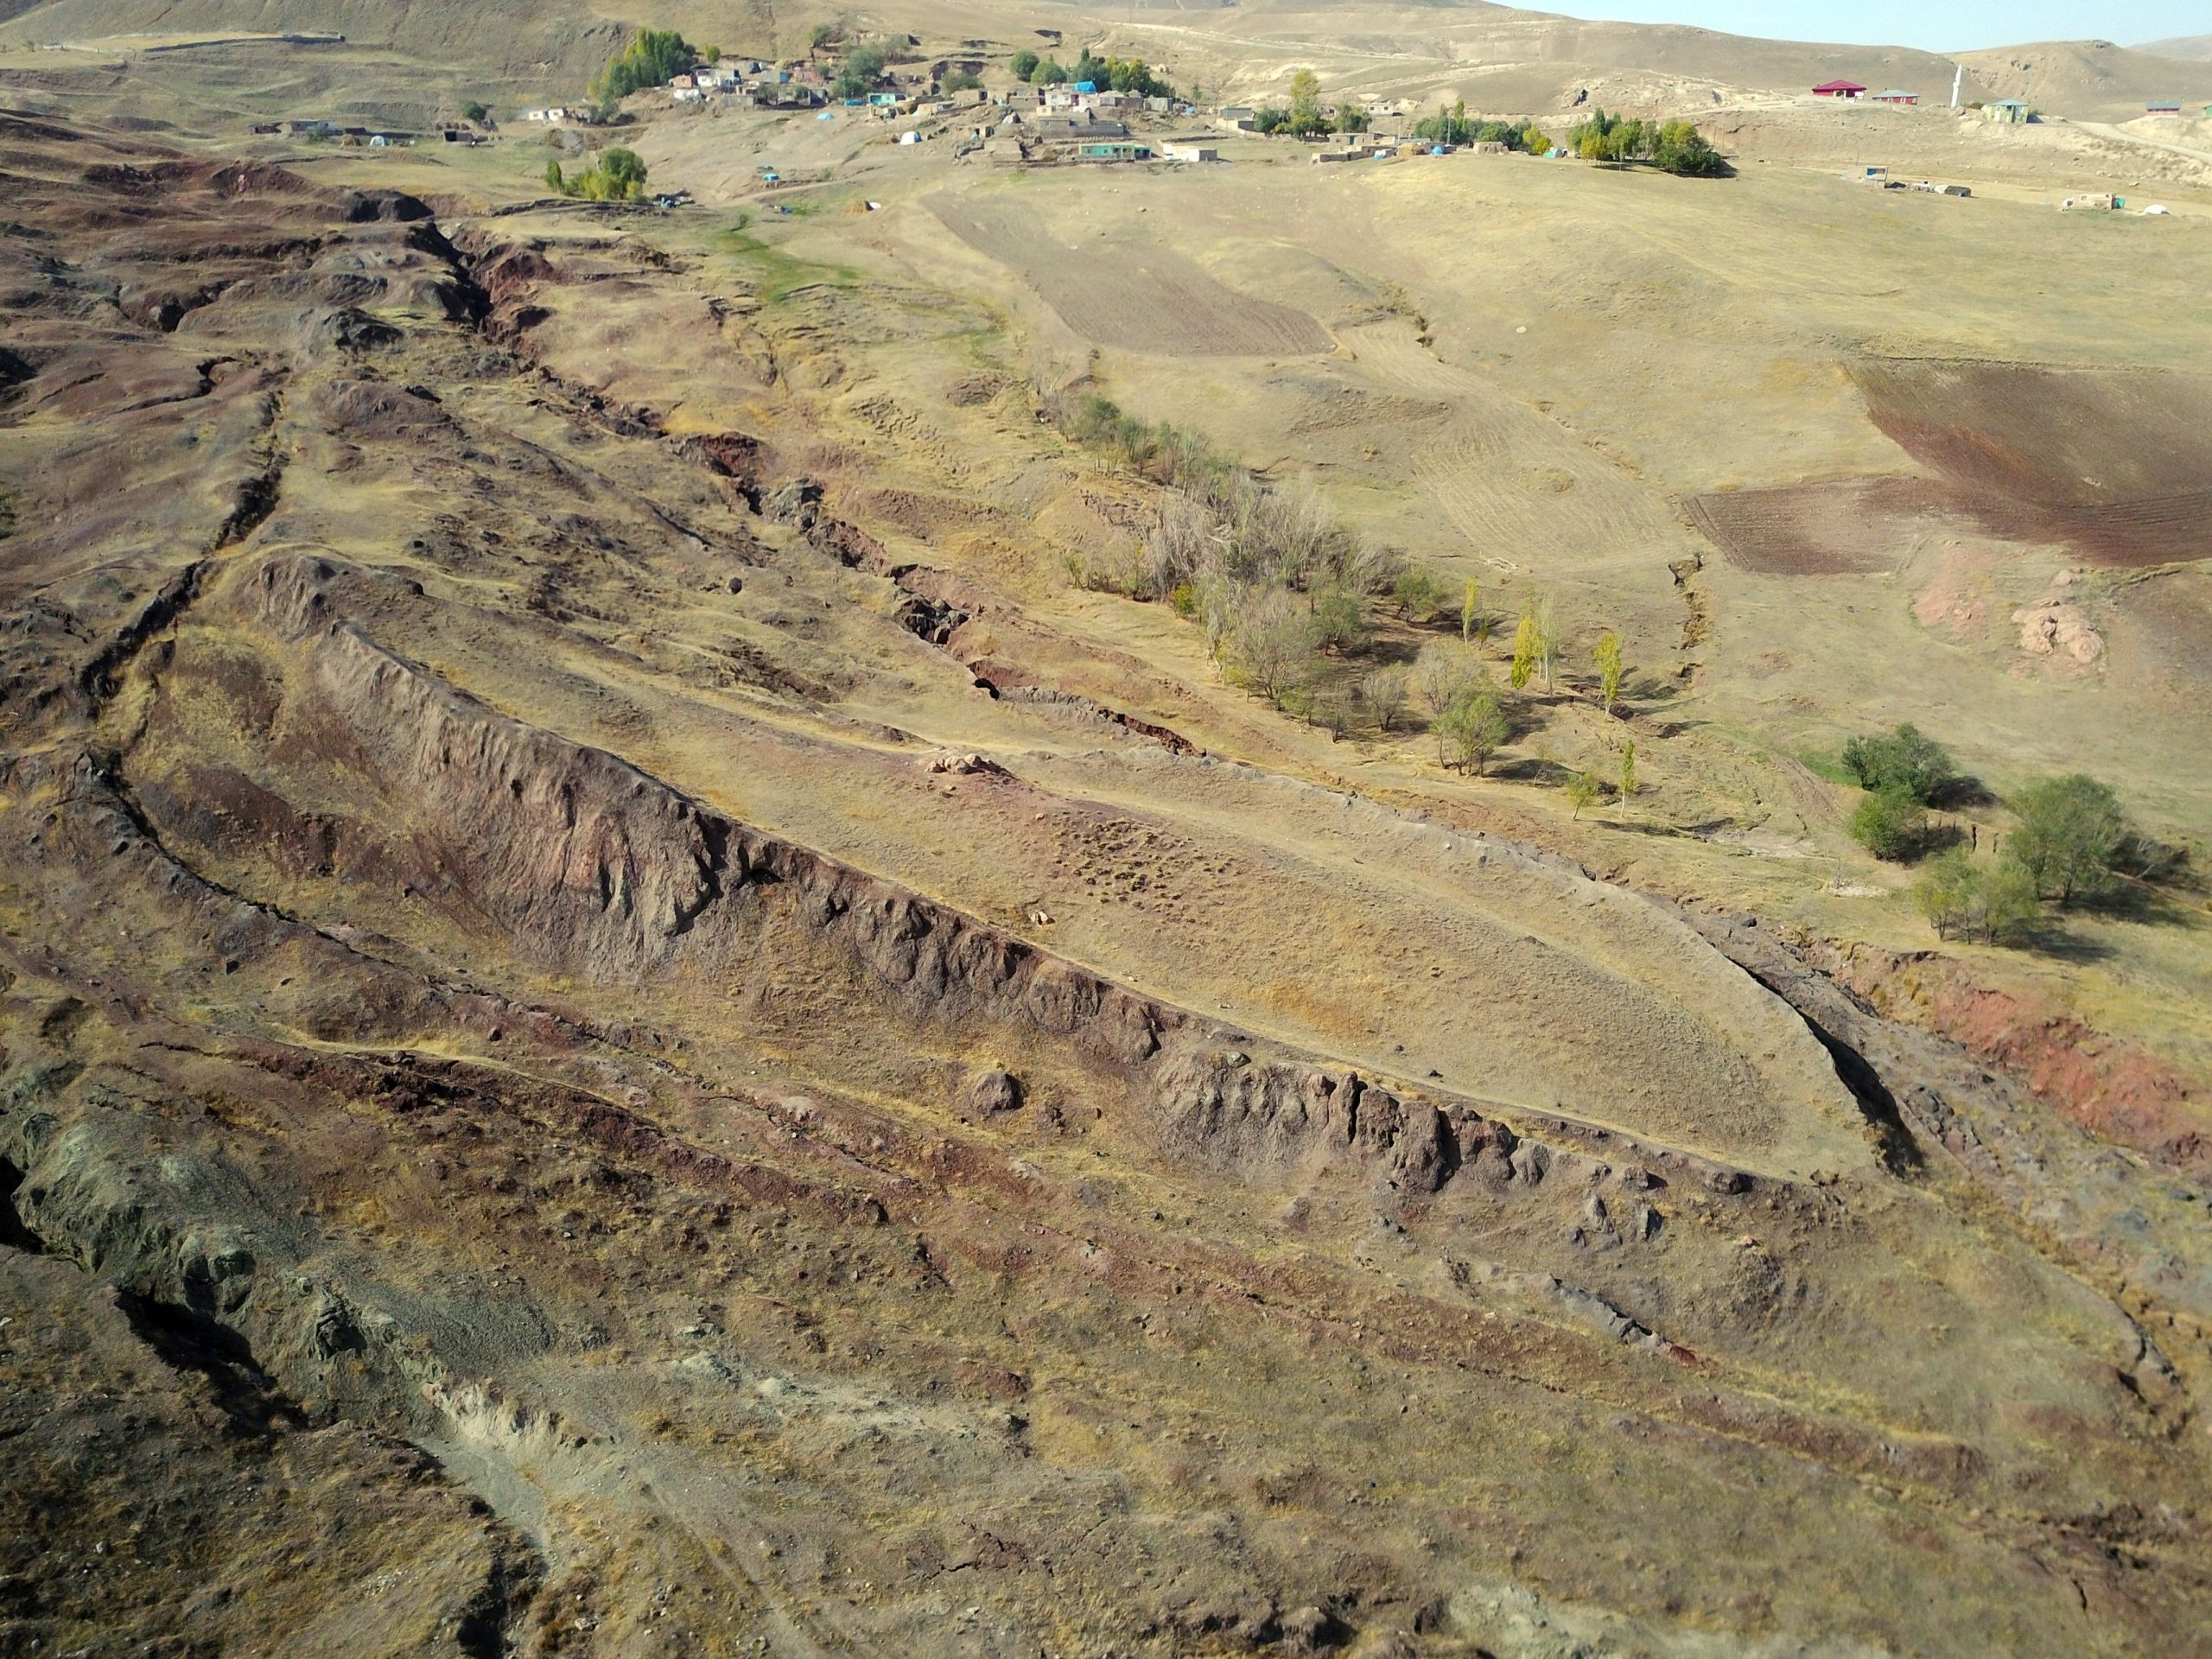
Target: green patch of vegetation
{"points": [[615, 175], [655, 57], [1675, 147], [778, 274], [1456, 126], [862, 70], [1903, 759]]}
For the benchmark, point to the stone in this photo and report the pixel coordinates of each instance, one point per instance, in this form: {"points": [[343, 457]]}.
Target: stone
{"points": [[993, 1092]]}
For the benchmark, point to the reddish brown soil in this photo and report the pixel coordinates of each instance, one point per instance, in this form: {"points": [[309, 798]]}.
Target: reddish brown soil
{"points": [[2117, 1092], [2112, 466]]}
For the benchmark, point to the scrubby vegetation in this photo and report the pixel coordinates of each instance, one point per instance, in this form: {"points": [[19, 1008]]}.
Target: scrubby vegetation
{"points": [[1671, 146]]}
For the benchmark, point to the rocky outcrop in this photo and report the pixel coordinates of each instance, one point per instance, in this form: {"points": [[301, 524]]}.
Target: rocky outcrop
{"points": [[1222, 1105]]}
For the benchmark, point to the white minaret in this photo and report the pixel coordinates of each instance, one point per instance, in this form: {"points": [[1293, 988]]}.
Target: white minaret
{"points": [[1958, 81]]}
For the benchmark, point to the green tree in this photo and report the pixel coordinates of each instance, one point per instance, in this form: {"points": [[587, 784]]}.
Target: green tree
{"points": [[1534, 140], [1470, 611], [1609, 668], [1890, 823], [1471, 729], [2071, 832], [1417, 593], [475, 111], [1023, 63], [1583, 790], [1961, 895], [713, 54], [1547, 641], [961, 81], [553, 178], [1905, 760], [1340, 618], [1628, 769], [1304, 93], [1050, 73], [862, 68], [652, 59], [822, 35]]}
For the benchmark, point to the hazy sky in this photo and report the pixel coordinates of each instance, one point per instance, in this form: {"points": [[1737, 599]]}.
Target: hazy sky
{"points": [[1937, 25]]}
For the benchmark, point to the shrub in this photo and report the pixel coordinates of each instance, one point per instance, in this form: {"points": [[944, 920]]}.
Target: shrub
{"points": [[475, 111], [1890, 823], [961, 81], [615, 175], [1023, 63], [1583, 790], [2071, 831], [1906, 760], [1628, 769]]}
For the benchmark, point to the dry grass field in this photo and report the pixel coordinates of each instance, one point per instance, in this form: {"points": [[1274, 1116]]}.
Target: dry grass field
{"points": [[642, 1007]]}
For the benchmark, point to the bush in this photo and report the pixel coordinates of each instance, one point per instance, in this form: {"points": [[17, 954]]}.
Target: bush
{"points": [[961, 81], [1023, 63], [1890, 823], [474, 112], [1905, 760], [2070, 835]]}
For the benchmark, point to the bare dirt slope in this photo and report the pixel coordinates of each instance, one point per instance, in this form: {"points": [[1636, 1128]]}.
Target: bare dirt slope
{"points": [[627, 1021]]}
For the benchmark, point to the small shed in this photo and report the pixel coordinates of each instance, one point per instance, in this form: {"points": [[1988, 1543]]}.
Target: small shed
{"points": [[1893, 96], [1839, 89], [2006, 112], [2163, 106]]}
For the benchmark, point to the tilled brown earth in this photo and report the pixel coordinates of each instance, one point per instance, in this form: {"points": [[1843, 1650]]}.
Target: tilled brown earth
{"points": [[479, 1179]]}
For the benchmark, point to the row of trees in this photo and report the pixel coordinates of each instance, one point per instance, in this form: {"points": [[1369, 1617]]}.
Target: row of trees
{"points": [[1456, 126], [1120, 74], [1671, 146]]}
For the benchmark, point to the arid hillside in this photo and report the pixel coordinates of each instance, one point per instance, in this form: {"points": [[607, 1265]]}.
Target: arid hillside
{"points": [[677, 974]]}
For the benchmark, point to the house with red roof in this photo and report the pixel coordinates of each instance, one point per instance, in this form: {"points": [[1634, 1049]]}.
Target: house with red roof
{"points": [[1839, 89]]}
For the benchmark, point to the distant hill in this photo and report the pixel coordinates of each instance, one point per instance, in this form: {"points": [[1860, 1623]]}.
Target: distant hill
{"points": [[2193, 47], [2084, 77]]}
